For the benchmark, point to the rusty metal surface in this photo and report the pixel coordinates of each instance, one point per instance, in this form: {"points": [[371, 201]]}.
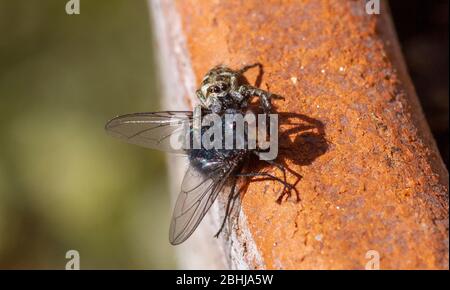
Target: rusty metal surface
{"points": [[371, 178]]}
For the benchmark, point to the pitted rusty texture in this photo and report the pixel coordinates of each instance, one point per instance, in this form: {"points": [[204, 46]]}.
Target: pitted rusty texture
{"points": [[371, 178]]}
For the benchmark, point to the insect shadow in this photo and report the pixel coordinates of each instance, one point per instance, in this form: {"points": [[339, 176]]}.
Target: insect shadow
{"points": [[302, 139]]}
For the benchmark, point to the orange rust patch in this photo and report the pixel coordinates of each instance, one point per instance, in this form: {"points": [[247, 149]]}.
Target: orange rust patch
{"points": [[368, 182]]}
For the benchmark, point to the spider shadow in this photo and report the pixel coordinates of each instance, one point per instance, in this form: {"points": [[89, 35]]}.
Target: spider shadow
{"points": [[259, 76], [303, 139]]}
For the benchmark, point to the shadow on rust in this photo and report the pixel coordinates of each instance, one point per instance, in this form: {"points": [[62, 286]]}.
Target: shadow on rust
{"points": [[301, 140]]}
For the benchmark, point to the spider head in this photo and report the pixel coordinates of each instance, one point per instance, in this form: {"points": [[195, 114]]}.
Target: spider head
{"points": [[216, 87]]}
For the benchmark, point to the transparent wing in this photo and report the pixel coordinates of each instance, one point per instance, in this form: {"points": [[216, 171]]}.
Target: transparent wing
{"points": [[158, 130], [198, 193]]}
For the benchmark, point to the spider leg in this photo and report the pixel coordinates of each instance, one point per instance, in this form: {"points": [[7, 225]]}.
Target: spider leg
{"points": [[247, 67], [264, 96]]}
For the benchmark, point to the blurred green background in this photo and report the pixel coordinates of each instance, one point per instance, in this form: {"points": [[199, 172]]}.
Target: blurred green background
{"points": [[65, 184]]}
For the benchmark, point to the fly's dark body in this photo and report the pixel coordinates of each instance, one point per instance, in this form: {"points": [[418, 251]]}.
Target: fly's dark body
{"points": [[222, 91], [206, 159]]}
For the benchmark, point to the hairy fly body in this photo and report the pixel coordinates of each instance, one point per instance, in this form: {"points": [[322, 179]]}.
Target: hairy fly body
{"points": [[222, 91]]}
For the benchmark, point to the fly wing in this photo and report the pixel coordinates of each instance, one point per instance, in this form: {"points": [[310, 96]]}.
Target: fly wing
{"points": [[198, 192], [158, 130]]}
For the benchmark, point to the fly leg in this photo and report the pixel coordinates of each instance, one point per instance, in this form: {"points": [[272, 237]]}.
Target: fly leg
{"points": [[283, 170], [273, 177], [281, 167], [230, 204]]}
